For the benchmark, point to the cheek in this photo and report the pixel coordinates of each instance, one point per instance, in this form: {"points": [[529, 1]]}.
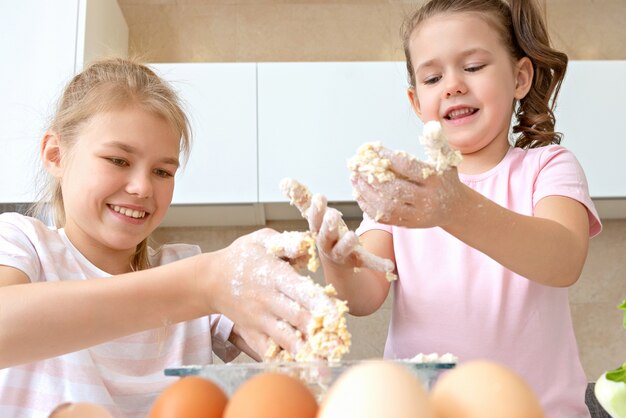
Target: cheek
{"points": [[165, 193], [429, 104]]}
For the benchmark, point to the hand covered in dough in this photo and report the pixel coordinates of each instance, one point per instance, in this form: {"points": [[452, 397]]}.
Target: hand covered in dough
{"points": [[407, 192], [264, 296], [335, 242]]}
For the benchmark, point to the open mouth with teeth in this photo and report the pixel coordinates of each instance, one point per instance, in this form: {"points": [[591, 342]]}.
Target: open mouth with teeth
{"points": [[460, 113], [137, 214]]}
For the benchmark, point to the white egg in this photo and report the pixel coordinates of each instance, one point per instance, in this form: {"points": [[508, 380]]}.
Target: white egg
{"points": [[375, 389]]}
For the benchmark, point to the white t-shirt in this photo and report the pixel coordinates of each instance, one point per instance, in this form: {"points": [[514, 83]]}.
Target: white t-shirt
{"points": [[450, 297], [124, 375]]}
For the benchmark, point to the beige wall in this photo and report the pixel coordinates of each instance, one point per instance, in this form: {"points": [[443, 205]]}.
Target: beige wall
{"points": [[368, 30], [332, 30]]}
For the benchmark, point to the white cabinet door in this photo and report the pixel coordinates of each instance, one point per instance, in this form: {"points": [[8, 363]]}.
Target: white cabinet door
{"points": [[589, 113], [42, 44], [38, 46], [220, 100], [314, 116]]}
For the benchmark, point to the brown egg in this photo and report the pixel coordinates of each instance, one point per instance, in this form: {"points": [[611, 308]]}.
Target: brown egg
{"points": [[80, 410], [190, 397], [376, 389], [272, 395], [484, 389]]}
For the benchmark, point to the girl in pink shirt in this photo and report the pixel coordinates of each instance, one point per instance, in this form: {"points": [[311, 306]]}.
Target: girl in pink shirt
{"points": [[484, 253], [90, 313]]}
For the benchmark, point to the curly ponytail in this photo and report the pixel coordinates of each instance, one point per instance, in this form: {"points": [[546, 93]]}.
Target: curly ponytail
{"points": [[535, 112]]}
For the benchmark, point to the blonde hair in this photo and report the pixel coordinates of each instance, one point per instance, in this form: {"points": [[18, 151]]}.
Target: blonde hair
{"points": [[106, 85], [523, 32]]}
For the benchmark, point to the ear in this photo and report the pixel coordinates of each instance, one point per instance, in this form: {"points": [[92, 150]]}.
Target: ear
{"points": [[415, 103], [51, 153], [523, 77]]}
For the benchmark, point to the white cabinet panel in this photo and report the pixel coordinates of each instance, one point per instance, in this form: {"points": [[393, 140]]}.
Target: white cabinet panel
{"points": [[220, 100], [313, 117], [42, 44], [589, 112], [38, 45]]}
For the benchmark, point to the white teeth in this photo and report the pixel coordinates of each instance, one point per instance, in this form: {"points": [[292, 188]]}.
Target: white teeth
{"points": [[459, 112], [129, 212]]}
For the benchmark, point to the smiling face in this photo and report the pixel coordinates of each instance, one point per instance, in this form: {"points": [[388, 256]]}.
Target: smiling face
{"points": [[117, 181], [466, 79]]}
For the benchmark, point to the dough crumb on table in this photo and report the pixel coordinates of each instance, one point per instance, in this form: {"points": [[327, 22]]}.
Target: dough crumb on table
{"points": [[434, 358]]}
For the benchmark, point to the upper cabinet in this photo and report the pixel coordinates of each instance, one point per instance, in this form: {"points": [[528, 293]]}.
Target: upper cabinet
{"points": [[43, 44], [220, 101], [588, 113], [314, 116]]}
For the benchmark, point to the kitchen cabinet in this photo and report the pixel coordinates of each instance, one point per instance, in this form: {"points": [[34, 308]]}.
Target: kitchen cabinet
{"points": [[220, 101], [43, 43], [589, 109], [256, 123], [314, 116]]}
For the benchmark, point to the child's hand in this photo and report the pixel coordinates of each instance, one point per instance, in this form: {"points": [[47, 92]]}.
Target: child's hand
{"points": [[265, 296], [415, 196], [335, 242]]}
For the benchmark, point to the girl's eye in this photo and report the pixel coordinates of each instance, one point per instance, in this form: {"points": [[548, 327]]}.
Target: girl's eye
{"points": [[118, 161], [432, 79], [163, 173], [474, 68]]}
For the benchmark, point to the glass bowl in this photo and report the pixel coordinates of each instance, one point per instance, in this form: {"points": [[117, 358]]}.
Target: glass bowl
{"points": [[319, 376]]}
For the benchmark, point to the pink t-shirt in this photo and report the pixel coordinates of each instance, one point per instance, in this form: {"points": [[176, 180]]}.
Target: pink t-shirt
{"points": [[124, 375], [452, 298]]}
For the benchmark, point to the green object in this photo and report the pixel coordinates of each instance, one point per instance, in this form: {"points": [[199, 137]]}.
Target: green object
{"points": [[617, 375], [612, 396], [610, 388]]}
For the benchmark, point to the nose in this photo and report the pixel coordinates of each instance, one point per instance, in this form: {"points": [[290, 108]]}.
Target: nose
{"points": [[454, 85], [140, 184]]}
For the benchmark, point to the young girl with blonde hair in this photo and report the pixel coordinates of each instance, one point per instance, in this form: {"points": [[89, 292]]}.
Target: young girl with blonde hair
{"points": [[88, 311]]}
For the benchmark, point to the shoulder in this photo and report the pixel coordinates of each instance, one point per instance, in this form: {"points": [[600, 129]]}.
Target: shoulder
{"points": [[553, 162], [172, 252], [12, 224], [541, 157], [27, 244], [559, 173]]}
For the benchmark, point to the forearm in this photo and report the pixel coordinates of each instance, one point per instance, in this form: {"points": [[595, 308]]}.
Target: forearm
{"points": [[365, 290], [538, 248], [41, 320]]}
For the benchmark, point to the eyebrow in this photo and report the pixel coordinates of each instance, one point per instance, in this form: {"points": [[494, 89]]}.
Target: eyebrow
{"points": [[132, 150], [463, 54]]}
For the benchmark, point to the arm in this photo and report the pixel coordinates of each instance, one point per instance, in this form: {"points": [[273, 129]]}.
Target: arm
{"points": [[359, 270], [364, 289], [549, 248], [260, 293], [40, 320]]}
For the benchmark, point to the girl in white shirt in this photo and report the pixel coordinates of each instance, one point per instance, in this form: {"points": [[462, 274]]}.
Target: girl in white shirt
{"points": [[90, 313]]}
